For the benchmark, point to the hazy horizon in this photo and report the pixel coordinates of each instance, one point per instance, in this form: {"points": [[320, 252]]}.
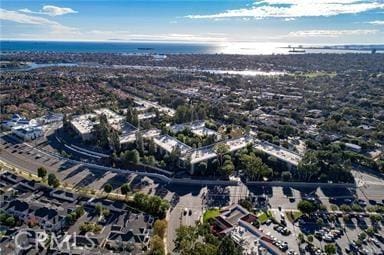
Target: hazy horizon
{"points": [[225, 21]]}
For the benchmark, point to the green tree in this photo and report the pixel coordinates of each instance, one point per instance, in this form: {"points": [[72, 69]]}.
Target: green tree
{"points": [[221, 149], [53, 181], [10, 221], [227, 168], [345, 208], [362, 236], [108, 188], [79, 211], [227, 246], [114, 140], [132, 116], [370, 231], [202, 168], [308, 166], [254, 167], [132, 156], [66, 122], [41, 172], [139, 142], [185, 239], [125, 189], [157, 246], [330, 249], [160, 227], [307, 207], [101, 210], [102, 131]]}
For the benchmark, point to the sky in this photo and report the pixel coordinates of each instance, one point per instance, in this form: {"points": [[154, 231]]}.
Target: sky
{"points": [[208, 21]]}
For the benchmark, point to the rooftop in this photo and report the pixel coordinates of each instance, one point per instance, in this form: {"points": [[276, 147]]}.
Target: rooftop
{"points": [[84, 123], [113, 118], [208, 152], [278, 152], [170, 143]]}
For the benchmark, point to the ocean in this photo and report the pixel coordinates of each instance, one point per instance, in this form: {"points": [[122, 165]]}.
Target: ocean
{"points": [[178, 48]]}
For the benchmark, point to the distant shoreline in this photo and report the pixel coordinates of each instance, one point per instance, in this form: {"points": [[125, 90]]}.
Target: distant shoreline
{"points": [[121, 47]]}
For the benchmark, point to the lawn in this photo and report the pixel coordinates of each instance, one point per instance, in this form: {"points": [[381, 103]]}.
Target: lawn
{"points": [[211, 213], [293, 215], [263, 217]]}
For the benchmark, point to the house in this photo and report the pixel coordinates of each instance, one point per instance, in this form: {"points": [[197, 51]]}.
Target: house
{"points": [[10, 177], [49, 219], [18, 208], [31, 185], [64, 195], [353, 147], [132, 230], [112, 206]]}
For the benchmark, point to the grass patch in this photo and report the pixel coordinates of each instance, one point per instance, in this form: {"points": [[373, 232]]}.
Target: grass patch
{"points": [[210, 214], [292, 216], [263, 217]]}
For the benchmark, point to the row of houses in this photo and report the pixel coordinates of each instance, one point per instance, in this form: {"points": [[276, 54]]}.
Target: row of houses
{"points": [[38, 208]]}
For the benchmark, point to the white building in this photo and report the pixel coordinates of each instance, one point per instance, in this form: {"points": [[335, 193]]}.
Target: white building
{"points": [[196, 127], [83, 125], [28, 132], [290, 158], [353, 147], [16, 120], [168, 144], [209, 152]]}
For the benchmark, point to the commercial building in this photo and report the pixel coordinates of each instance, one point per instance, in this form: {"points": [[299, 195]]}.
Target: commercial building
{"points": [[236, 222], [28, 132], [114, 119], [83, 125], [15, 120]]}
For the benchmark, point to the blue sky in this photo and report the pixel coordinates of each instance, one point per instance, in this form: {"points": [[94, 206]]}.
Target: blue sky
{"points": [[223, 21]]}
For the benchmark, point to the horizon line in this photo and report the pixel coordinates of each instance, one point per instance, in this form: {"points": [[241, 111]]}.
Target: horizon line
{"points": [[178, 41]]}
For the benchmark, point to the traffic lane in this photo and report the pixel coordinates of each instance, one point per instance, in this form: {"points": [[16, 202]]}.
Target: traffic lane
{"points": [[193, 201]]}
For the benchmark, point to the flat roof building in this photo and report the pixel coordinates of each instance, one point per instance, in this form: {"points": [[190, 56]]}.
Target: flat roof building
{"points": [[113, 118], [281, 153], [209, 152], [353, 147], [169, 143], [28, 132], [84, 124]]}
